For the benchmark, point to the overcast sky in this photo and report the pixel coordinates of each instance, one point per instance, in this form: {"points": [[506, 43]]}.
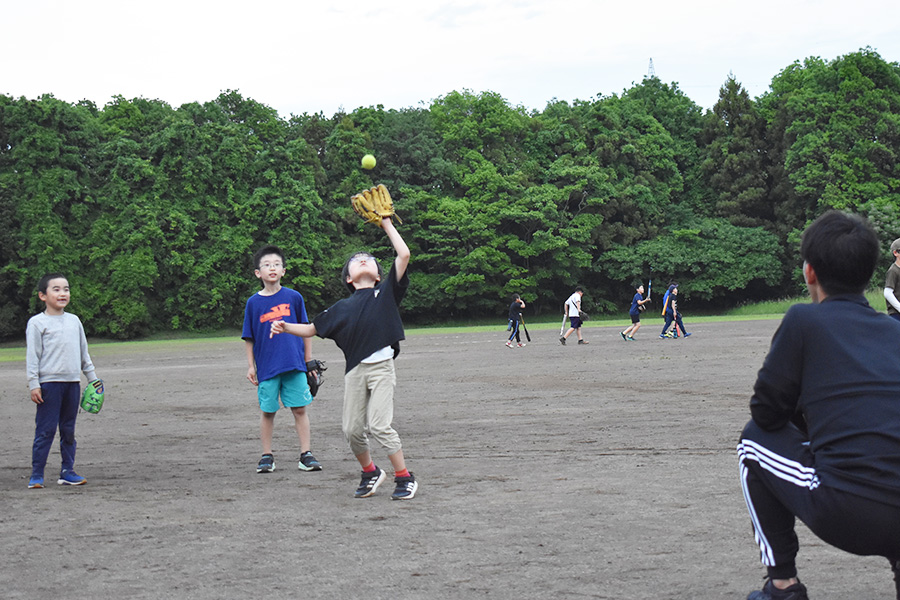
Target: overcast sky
{"points": [[305, 57]]}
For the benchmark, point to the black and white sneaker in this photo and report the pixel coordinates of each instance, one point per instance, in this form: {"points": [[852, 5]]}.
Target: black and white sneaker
{"points": [[405, 487], [369, 483], [770, 592], [308, 462], [266, 464]]}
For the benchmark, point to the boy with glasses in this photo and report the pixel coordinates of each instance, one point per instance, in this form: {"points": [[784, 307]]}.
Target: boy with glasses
{"points": [[277, 366]]}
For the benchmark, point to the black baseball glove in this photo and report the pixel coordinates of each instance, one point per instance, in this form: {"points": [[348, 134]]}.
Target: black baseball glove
{"points": [[583, 315], [315, 375]]}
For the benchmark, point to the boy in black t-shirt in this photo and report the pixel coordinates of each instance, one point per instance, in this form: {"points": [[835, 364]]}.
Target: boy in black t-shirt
{"points": [[366, 326], [515, 318]]}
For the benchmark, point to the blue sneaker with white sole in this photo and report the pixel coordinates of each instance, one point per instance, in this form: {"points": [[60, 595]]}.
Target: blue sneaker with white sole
{"points": [[308, 462], [405, 487], [36, 482], [70, 477]]}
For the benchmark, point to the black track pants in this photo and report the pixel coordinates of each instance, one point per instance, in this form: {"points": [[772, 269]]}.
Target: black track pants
{"points": [[780, 482]]}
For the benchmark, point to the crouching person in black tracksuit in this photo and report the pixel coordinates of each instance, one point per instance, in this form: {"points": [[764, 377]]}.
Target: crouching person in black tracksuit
{"points": [[824, 441]]}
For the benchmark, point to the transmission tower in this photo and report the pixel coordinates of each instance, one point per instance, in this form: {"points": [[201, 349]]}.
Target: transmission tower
{"points": [[651, 72]]}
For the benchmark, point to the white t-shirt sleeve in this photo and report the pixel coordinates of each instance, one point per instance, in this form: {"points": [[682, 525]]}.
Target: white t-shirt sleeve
{"points": [[891, 298]]}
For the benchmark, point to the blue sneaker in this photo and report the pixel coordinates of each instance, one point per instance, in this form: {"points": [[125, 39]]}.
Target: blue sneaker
{"points": [[36, 482], [369, 483], [770, 592], [266, 464], [405, 487], [70, 477], [687, 334], [308, 462]]}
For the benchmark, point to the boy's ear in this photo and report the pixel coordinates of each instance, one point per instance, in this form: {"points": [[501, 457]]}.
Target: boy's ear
{"points": [[809, 274]]}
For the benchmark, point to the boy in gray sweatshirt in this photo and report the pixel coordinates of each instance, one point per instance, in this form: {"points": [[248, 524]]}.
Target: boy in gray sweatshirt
{"points": [[56, 355]]}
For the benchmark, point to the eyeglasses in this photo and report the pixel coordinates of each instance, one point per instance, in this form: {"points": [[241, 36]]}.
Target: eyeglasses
{"points": [[361, 257], [270, 266]]}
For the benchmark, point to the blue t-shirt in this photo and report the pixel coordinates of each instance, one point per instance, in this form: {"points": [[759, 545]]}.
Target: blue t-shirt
{"points": [[280, 353], [634, 310]]}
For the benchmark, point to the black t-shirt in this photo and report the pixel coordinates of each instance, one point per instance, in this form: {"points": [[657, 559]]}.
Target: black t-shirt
{"points": [[837, 363], [514, 309], [367, 321]]}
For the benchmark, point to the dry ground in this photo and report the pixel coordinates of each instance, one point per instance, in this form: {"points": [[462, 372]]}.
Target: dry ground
{"points": [[598, 471]]}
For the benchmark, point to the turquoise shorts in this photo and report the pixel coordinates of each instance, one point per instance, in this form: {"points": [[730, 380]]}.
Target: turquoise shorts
{"points": [[291, 386]]}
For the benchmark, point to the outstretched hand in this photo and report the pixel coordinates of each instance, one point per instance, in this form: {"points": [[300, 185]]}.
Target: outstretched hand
{"points": [[277, 327]]}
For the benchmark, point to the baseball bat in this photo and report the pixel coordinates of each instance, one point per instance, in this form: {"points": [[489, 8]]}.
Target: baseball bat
{"points": [[562, 327], [527, 335]]}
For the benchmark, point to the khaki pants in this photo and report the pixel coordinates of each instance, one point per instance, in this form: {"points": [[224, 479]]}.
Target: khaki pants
{"points": [[369, 407]]}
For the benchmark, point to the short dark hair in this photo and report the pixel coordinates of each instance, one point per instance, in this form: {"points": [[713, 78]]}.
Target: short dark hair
{"points": [[515, 297], [843, 249], [45, 281], [345, 272], [579, 289], [267, 249]]}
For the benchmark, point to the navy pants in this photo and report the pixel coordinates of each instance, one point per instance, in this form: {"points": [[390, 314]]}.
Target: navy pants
{"points": [[673, 317], [514, 327], [780, 482], [59, 410]]}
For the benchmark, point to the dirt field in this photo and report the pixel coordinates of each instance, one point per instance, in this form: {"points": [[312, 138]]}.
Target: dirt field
{"points": [[598, 471]]}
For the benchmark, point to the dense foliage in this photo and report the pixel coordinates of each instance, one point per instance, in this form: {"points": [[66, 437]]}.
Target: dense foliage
{"points": [[154, 211]]}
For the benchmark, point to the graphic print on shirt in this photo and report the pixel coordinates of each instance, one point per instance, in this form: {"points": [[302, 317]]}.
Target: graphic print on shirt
{"points": [[279, 311]]}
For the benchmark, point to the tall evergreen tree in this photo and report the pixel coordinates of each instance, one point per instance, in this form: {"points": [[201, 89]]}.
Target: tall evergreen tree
{"points": [[735, 170]]}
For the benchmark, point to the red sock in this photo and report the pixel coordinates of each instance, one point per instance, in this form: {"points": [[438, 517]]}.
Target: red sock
{"points": [[403, 473], [370, 468]]}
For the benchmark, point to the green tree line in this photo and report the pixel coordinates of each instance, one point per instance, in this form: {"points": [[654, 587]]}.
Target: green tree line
{"points": [[154, 211]]}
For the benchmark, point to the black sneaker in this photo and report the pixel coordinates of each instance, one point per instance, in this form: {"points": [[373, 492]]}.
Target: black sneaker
{"points": [[770, 592], [369, 483], [405, 487], [266, 464], [308, 462], [562, 340]]}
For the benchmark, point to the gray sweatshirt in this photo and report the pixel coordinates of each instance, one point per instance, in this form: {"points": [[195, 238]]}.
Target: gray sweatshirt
{"points": [[56, 350]]}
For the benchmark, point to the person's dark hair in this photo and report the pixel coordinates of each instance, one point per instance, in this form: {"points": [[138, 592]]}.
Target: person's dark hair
{"points": [[515, 297], [345, 272], [579, 289], [844, 251], [267, 249], [45, 280]]}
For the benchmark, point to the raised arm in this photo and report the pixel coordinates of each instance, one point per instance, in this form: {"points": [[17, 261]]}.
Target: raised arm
{"points": [[400, 247]]}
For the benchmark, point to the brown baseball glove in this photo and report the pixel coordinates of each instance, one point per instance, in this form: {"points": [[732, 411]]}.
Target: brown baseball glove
{"points": [[374, 205]]}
